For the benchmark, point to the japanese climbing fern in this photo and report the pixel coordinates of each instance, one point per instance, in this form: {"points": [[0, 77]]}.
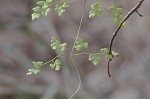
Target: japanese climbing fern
{"points": [[43, 7]]}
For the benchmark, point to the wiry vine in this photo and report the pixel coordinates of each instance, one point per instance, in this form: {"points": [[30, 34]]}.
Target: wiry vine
{"points": [[84, 45]]}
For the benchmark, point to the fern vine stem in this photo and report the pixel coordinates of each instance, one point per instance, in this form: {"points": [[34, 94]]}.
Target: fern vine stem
{"points": [[79, 77], [74, 54]]}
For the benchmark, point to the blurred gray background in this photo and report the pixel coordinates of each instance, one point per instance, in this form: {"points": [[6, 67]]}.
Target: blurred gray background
{"points": [[23, 40]]}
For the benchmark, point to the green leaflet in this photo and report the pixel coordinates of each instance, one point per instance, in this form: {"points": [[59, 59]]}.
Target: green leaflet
{"points": [[36, 70], [37, 64], [116, 11], [96, 10], [95, 59], [117, 17], [80, 44], [104, 50], [115, 54], [33, 71], [109, 56], [56, 64], [42, 9], [55, 44], [60, 8]]}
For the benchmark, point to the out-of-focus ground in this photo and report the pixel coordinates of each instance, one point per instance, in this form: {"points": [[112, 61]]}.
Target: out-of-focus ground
{"points": [[23, 40]]}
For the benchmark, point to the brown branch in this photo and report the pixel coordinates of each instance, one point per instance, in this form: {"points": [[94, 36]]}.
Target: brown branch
{"points": [[139, 14], [109, 74], [134, 9]]}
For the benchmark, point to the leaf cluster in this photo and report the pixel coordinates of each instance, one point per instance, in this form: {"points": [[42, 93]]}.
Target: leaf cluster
{"points": [[37, 67], [80, 45], [42, 9], [117, 17], [109, 55], [94, 58], [96, 10], [55, 44], [56, 64], [60, 8]]}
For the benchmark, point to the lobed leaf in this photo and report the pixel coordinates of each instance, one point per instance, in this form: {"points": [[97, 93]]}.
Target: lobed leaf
{"points": [[55, 44], [95, 59], [60, 8], [33, 71], [42, 9], [80, 44], [117, 17], [104, 50], [37, 64], [96, 10], [56, 65]]}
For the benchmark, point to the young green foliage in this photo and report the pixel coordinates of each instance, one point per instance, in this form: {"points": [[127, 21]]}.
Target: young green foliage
{"points": [[33, 71], [104, 50], [96, 10], [60, 8], [115, 54], [116, 11], [36, 70], [94, 58], [80, 45], [109, 56], [56, 65], [117, 17], [55, 44], [42, 9], [37, 64]]}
